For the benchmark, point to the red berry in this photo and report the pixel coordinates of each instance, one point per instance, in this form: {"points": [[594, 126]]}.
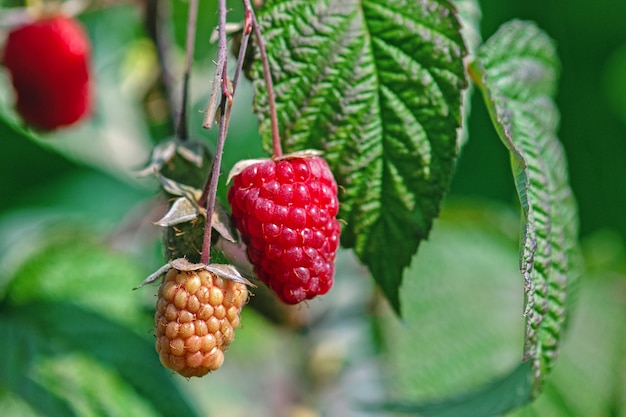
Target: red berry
{"points": [[285, 211], [49, 65]]}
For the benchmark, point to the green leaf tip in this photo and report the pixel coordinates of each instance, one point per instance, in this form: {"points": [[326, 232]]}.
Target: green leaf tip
{"points": [[517, 71], [377, 86], [499, 396]]}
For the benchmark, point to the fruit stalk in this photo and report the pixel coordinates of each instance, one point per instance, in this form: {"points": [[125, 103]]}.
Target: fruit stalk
{"points": [[226, 91], [267, 75]]}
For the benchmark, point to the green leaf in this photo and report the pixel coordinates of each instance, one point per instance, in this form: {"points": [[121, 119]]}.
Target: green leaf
{"points": [[44, 329], [89, 387], [19, 346], [517, 71], [454, 352], [76, 267], [589, 379], [106, 322], [377, 86], [12, 405], [495, 398]]}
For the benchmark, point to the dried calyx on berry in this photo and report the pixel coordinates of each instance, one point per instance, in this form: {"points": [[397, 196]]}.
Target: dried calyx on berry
{"points": [[285, 210], [197, 312], [48, 60]]}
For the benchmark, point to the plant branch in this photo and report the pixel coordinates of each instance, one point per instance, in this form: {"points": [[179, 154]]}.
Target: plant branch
{"points": [[220, 85], [225, 90], [192, 17], [276, 147], [216, 90], [245, 38]]}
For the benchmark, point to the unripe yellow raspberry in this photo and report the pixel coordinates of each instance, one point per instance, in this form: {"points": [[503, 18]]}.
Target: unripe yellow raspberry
{"points": [[196, 316]]}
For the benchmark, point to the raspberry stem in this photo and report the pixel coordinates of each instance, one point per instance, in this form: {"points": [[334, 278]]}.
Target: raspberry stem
{"points": [[223, 88], [267, 74], [225, 106]]}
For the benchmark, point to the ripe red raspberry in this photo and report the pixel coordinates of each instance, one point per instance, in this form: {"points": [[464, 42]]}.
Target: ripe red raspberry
{"points": [[285, 211], [196, 316], [49, 65]]}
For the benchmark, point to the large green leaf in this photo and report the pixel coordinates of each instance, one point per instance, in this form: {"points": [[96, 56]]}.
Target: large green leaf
{"points": [[69, 310], [377, 86], [517, 71], [44, 329], [590, 377], [457, 352], [89, 386], [77, 268], [20, 345], [493, 399]]}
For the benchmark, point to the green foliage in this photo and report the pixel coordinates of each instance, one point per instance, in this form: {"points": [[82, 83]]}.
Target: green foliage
{"points": [[380, 87], [495, 398], [377, 86], [517, 71], [462, 328], [68, 311], [589, 378]]}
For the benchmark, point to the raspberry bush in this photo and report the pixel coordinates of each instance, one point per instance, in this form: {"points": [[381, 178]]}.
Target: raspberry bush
{"points": [[308, 249]]}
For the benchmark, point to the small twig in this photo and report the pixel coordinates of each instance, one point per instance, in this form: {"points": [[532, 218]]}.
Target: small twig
{"points": [[245, 39], [216, 90], [225, 105], [247, 30], [276, 147], [181, 125]]}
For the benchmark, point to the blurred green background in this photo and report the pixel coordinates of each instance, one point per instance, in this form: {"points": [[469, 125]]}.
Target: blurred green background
{"points": [[75, 237]]}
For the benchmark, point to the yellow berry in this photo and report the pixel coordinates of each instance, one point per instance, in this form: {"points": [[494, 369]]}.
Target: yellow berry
{"points": [[197, 313]]}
